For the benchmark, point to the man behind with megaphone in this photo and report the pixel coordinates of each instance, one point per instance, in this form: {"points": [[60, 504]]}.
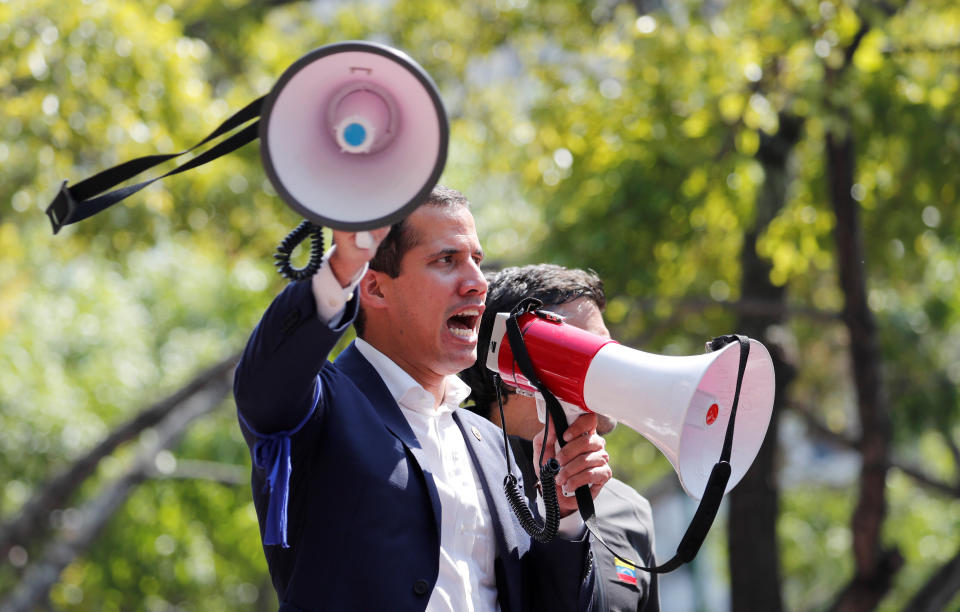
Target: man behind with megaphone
{"points": [[624, 516], [373, 491]]}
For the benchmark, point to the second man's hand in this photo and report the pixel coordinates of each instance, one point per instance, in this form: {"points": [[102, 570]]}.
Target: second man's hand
{"points": [[583, 460]]}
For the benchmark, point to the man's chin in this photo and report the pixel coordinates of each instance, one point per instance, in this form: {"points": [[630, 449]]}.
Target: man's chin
{"points": [[463, 358]]}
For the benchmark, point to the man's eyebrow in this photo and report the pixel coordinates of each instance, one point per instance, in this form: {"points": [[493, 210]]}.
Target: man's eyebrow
{"points": [[443, 252], [453, 251]]}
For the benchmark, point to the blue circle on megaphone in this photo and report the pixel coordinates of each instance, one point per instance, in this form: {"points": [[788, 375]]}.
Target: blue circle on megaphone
{"points": [[354, 134]]}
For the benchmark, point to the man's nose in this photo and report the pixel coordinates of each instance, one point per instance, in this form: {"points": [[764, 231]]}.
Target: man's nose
{"points": [[474, 280]]}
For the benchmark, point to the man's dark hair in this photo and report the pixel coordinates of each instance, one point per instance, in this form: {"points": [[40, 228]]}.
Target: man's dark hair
{"points": [[549, 283], [402, 238]]}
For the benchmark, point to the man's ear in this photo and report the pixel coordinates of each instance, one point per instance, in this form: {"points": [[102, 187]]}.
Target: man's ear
{"points": [[372, 289]]}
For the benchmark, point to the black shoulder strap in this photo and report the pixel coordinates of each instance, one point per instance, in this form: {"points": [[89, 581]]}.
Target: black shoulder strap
{"points": [[82, 200], [716, 485]]}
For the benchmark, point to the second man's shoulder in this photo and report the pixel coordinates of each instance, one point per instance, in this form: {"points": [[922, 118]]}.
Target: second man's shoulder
{"points": [[618, 495]]}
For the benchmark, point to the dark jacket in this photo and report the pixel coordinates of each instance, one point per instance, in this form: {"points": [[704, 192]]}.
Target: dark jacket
{"points": [[363, 517]]}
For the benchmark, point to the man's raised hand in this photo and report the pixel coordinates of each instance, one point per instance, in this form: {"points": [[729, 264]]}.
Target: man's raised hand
{"points": [[349, 257]]}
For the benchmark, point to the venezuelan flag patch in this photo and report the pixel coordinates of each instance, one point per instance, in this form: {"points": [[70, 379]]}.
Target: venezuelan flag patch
{"points": [[626, 572]]}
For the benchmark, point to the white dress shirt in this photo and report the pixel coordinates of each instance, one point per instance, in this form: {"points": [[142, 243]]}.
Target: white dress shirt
{"points": [[467, 546]]}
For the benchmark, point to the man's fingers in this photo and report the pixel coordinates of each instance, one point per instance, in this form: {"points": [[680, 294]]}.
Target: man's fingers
{"points": [[582, 463], [580, 446], [379, 234], [584, 425], [363, 240], [583, 460], [588, 477], [353, 251]]}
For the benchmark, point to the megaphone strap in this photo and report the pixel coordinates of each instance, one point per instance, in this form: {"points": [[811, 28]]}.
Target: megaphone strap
{"points": [[523, 361], [716, 486], [717, 344], [77, 202]]}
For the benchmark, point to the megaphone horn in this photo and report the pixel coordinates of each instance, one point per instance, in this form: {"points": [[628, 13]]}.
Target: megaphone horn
{"points": [[681, 404], [354, 135]]}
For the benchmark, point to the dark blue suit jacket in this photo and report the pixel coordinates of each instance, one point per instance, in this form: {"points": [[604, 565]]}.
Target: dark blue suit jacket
{"points": [[363, 516]]}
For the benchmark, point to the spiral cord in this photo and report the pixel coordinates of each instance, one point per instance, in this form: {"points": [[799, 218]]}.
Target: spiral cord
{"points": [[288, 244], [548, 474]]}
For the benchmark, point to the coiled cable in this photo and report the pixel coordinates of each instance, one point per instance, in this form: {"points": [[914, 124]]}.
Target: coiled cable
{"points": [[548, 486], [288, 244], [548, 474]]}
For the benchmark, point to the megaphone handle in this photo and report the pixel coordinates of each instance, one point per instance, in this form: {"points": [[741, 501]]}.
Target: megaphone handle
{"points": [[363, 240]]}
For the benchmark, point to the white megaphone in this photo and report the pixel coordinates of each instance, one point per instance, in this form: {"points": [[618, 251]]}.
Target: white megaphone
{"points": [[354, 135], [681, 404]]}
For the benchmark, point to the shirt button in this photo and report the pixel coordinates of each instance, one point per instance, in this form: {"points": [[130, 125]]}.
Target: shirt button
{"points": [[421, 587]]}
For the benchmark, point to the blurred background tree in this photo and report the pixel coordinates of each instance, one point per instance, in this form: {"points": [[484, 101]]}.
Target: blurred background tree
{"points": [[786, 169]]}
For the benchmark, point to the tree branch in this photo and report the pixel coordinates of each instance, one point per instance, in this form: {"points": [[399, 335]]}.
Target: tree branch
{"points": [[916, 49], [752, 308], [939, 590], [875, 565], [954, 449], [57, 491], [851, 442], [851, 49], [94, 515]]}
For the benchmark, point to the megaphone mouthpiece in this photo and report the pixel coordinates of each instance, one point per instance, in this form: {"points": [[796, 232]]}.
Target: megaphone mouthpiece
{"points": [[362, 117]]}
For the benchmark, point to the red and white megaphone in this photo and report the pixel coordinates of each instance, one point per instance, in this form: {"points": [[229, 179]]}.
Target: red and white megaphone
{"points": [[681, 404]]}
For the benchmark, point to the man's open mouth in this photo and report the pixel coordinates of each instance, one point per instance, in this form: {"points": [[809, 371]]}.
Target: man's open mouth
{"points": [[464, 323]]}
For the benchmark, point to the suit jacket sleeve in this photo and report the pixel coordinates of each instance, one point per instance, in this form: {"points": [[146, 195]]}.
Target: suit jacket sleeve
{"points": [[276, 379]]}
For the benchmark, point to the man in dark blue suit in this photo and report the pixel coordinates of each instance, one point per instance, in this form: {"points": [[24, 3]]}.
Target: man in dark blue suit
{"points": [[373, 490]]}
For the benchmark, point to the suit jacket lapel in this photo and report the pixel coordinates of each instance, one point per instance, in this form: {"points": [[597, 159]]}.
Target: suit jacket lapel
{"points": [[491, 465], [486, 451], [352, 363]]}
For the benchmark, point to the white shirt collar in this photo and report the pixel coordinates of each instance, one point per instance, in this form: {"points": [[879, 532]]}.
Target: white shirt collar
{"points": [[406, 391]]}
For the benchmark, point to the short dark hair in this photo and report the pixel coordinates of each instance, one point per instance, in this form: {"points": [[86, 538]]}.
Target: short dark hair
{"points": [[402, 238], [549, 283]]}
